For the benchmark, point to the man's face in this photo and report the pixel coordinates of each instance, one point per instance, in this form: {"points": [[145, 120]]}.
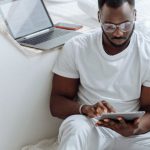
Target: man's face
{"points": [[117, 24]]}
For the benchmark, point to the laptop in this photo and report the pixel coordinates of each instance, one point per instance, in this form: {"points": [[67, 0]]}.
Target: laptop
{"points": [[29, 23]]}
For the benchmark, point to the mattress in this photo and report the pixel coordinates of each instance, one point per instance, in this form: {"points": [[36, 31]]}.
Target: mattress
{"points": [[72, 11]]}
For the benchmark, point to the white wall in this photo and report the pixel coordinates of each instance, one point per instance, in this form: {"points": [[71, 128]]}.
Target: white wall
{"points": [[25, 85]]}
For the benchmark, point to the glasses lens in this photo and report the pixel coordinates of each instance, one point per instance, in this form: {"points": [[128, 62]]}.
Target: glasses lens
{"points": [[126, 26], [109, 27]]}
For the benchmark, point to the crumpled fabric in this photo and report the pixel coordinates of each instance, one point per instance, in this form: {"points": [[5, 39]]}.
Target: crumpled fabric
{"points": [[47, 144], [26, 50]]}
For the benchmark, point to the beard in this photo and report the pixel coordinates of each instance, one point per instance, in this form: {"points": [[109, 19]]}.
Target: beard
{"points": [[124, 38]]}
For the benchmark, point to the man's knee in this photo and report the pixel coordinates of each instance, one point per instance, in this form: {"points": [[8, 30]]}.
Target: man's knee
{"points": [[75, 124]]}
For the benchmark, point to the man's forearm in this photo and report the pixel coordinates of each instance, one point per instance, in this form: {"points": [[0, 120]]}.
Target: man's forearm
{"points": [[63, 107]]}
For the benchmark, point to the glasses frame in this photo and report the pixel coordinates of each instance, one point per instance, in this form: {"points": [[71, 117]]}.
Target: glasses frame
{"points": [[117, 26]]}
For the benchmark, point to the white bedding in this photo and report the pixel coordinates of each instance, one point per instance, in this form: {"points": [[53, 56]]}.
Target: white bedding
{"points": [[47, 144], [25, 50], [90, 7], [59, 12], [83, 13]]}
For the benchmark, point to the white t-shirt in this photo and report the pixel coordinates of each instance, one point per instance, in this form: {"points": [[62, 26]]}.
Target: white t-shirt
{"points": [[114, 78]]}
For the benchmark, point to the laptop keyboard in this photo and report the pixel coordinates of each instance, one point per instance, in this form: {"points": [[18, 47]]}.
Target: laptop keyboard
{"points": [[45, 37]]}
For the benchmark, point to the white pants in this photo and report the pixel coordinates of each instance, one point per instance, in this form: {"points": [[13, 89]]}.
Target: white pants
{"points": [[78, 132]]}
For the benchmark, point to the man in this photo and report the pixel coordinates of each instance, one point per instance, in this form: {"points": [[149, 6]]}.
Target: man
{"points": [[107, 70]]}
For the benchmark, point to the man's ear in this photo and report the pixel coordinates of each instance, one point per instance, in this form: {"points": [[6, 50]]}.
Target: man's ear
{"points": [[99, 15]]}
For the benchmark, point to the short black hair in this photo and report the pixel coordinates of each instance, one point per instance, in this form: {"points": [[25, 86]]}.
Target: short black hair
{"points": [[114, 3]]}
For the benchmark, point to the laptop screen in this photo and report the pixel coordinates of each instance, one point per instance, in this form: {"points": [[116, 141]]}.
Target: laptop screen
{"points": [[24, 17]]}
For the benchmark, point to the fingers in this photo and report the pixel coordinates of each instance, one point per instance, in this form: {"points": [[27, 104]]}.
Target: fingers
{"points": [[107, 123], [97, 109], [108, 106], [100, 108], [90, 111], [122, 122], [119, 122], [120, 126], [136, 122], [103, 107]]}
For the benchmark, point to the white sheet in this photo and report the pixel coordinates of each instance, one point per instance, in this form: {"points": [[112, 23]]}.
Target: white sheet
{"points": [[90, 7], [25, 50], [59, 12], [70, 12]]}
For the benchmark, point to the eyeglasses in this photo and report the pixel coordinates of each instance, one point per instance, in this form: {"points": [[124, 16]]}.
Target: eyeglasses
{"points": [[124, 27]]}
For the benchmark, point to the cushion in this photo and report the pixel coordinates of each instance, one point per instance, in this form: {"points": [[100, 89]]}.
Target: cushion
{"points": [[25, 50]]}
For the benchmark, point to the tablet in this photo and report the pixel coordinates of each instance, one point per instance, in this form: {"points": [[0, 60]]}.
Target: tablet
{"points": [[126, 115]]}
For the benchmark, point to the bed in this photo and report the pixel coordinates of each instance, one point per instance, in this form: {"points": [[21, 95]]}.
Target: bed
{"points": [[25, 79]]}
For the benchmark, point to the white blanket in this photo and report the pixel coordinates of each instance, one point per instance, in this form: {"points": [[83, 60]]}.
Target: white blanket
{"points": [[60, 12], [25, 50], [71, 12]]}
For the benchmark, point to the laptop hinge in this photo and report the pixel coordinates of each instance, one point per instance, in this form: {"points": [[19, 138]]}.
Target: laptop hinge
{"points": [[36, 34]]}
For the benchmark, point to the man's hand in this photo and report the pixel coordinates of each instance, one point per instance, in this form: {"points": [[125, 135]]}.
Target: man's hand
{"points": [[97, 109], [120, 126]]}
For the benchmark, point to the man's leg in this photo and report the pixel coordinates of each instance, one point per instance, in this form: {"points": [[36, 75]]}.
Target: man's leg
{"points": [[137, 142], [78, 132], [73, 133]]}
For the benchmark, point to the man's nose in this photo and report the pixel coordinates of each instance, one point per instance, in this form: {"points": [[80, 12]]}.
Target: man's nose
{"points": [[117, 33]]}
